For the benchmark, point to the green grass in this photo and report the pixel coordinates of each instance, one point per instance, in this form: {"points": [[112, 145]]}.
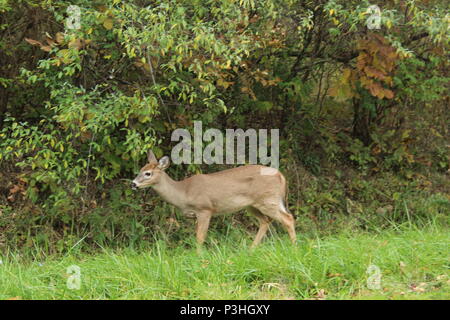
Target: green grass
{"points": [[414, 264]]}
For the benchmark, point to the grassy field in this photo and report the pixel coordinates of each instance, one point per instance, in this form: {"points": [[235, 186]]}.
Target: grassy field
{"points": [[413, 264]]}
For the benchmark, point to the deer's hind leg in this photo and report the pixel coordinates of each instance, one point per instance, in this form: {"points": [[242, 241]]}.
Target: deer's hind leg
{"points": [[264, 223], [278, 212]]}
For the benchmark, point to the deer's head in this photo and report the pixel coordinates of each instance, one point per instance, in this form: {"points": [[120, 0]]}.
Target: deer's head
{"points": [[150, 173]]}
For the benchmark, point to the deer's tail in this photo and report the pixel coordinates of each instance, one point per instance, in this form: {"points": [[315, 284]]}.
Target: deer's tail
{"points": [[284, 201]]}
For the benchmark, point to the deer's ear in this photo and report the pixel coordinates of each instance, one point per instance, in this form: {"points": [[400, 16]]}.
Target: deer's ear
{"points": [[164, 163], [151, 157]]}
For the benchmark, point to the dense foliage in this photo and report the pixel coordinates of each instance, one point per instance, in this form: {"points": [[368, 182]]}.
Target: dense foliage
{"points": [[79, 107]]}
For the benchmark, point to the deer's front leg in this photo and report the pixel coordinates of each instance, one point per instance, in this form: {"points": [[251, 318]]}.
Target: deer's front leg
{"points": [[203, 219]]}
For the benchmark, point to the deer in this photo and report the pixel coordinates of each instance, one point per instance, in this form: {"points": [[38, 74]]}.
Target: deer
{"points": [[261, 190]]}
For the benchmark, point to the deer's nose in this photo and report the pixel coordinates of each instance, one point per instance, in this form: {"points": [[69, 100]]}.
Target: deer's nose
{"points": [[133, 186]]}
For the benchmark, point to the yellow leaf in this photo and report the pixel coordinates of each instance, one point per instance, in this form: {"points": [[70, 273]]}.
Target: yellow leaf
{"points": [[389, 24], [59, 37], [108, 23], [33, 42], [388, 94], [75, 43], [46, 48], [143, 119], [436, 133]]}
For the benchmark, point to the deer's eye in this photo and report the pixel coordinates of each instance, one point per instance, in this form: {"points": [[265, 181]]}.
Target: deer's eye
{"points": [[148, 174]]}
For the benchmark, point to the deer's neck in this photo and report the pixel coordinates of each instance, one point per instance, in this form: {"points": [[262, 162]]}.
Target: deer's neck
{"points": [[170, 190]]}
